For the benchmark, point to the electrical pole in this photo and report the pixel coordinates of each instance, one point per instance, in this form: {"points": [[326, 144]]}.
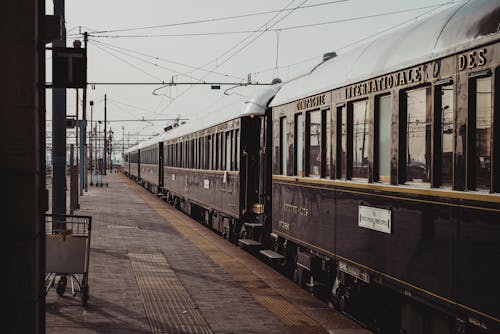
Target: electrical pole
{"points": [[105, 115], [59, 129], [123, 141], [91, 143], [83, 140], [110, 149]]}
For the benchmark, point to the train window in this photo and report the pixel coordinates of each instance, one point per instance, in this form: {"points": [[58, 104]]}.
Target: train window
{"points": [[214, 151], [204, 152], [218, 152], [299, 144], [418, 135], [327, 133], [179, 155], [167, 155], [222, 151], [228, 150], [174, 154], [341, 142], [481, 149], [193, 153], [184, 155], [283, 144], [207, 149], [360, 138], [237, 145], [188, 153], [313, 143], [175, 148], [201, 153], [197, 153], [235, 150], [445, 116], [382, 147]]}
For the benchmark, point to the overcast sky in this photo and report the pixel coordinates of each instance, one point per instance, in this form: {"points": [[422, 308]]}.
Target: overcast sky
{"points": [[229, 47]]}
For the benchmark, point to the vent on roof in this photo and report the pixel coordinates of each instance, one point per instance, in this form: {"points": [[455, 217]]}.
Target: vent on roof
{"points": [[329, 55]]}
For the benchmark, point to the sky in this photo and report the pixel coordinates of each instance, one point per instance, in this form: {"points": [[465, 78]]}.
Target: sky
{"points": [[164, 41]]}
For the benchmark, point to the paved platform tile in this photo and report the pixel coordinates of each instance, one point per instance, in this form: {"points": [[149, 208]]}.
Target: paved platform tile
{"points": [[168, 305]]}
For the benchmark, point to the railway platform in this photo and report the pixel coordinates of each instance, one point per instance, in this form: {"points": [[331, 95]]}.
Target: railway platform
{"points": [[155, 270]]}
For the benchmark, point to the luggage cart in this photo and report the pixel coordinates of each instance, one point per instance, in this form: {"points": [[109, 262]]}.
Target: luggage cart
{"points": [[67, 250]]}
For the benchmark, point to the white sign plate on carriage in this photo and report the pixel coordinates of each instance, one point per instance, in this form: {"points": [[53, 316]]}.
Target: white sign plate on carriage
{"points": [[374, 218]]}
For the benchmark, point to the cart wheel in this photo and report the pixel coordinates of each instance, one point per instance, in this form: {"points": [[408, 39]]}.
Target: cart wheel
{"points": [[61, 285], [85, 295]]}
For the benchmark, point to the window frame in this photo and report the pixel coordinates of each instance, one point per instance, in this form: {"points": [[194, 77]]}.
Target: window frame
{"points": [[437, 153], [403, 134], [307, 150], [376, 138], [296, 128], [471, 129], [283, 150], [350, 139]]}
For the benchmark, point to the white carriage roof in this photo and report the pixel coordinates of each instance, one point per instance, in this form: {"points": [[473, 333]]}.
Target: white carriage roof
{"points": [[460, 27], [255, 105]]}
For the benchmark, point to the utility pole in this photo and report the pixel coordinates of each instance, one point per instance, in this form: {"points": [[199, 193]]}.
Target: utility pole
{"points": [[123, 141], [59, 129], [83, 140], [91, 143], [110, 150], [105, 114]]}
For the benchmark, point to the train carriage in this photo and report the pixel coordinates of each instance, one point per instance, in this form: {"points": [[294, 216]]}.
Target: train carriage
{"points": [[126, 163], [212, 168], [150, 162], [385, 175], [133, 155]]}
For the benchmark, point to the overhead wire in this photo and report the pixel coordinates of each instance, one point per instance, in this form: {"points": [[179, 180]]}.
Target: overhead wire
{"points": [[278, 29], [265, 25], [217, 19], [203, 66], [165, 60], [141, 59], [129, 63], [251, 41], [432, 8], [397, 25], [236, 45]]}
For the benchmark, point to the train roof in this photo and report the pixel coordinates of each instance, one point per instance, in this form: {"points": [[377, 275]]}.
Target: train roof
{"points": [[457, 28], [254, 105]]}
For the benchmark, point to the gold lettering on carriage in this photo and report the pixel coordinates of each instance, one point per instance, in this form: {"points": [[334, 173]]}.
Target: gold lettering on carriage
{"points": [[406, 77], [284, 226], [470, 60], [311, 102], [295, 209]]}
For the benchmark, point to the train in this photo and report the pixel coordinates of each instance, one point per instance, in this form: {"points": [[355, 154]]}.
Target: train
{"points": [[371, 180]]}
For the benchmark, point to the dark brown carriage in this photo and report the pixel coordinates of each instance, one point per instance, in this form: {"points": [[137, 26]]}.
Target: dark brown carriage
{"points": [[385, 186]]}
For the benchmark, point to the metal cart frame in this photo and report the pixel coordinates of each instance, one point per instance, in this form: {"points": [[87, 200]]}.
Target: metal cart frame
{"points": [[67, 250]]}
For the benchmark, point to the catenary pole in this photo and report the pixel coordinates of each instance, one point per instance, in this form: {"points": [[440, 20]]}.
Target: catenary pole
{"points": [[59, 128], [83, 141], [105, 140]]}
